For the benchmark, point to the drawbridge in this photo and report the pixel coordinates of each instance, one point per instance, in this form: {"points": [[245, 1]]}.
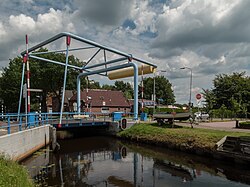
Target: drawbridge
{"points": [[104, 61]]}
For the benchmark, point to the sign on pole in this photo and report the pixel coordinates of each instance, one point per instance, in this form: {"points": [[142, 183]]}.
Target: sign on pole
{"points": [[198, 96], [25, 90]]}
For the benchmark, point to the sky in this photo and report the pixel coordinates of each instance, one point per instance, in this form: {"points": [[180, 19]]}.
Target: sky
{"points": [[210, 37]]}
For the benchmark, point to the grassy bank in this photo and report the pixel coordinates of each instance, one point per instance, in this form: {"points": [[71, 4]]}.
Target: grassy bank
{"points": [[178, 138], [13, 174]]}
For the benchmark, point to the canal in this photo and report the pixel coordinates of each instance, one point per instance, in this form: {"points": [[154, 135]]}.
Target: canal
{"points": [[105, 161]]}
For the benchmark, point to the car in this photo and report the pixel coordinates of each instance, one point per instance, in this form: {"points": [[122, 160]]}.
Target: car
{"points": [[201, 116]]}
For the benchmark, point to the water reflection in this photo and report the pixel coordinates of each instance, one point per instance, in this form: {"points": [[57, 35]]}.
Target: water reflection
{"points": [[104, 161], [174, 169]]}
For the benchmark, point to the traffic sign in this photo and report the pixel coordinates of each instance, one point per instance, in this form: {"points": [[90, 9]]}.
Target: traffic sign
{"points": [[198, 96]]}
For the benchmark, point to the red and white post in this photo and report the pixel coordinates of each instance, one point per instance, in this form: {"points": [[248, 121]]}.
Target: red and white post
{"points": [[28, 76]]}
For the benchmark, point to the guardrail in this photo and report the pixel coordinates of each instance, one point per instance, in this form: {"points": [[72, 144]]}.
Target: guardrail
{"points": [[13, 122]]}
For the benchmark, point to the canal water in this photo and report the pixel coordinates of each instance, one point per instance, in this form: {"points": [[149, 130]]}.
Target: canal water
{"points": [[105, 161]]}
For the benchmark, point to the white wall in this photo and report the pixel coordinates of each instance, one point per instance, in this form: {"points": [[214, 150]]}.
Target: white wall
{"points": [[20, 145]]}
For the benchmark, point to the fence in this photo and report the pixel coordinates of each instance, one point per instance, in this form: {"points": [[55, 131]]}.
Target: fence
{"points": [[10, 123]]}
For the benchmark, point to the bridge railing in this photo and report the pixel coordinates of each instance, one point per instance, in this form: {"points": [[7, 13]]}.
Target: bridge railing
{"points": [[13, 122]]}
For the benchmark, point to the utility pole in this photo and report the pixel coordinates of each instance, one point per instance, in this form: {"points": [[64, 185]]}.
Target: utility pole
{"points": [[190, 88]]}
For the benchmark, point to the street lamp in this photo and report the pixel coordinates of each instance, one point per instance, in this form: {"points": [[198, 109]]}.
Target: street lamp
{"points": [[154, 96], [191, 74]]}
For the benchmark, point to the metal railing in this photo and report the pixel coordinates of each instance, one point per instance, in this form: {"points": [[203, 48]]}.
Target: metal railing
{"points": [[10, 123]]}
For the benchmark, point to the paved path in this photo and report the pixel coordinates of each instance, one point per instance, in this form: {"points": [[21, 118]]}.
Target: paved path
{"points": [[223, 125]]}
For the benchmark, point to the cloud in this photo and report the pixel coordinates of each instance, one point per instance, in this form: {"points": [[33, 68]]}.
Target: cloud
{"points": [[13, 31], [144, 17], [108, 12], [196, 23]]}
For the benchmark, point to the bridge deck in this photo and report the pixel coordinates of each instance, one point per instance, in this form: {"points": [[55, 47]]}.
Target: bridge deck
{"points": [[72, 123]]}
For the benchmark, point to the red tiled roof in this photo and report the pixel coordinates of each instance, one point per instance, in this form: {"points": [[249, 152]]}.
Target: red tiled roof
{"points": [[98, 97]]}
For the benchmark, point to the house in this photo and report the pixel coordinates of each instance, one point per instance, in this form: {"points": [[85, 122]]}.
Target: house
{"points": [[146, 103], [103, 101], [53, 102]]}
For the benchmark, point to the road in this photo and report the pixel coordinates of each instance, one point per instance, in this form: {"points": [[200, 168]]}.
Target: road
{"points": [[218, 125]]}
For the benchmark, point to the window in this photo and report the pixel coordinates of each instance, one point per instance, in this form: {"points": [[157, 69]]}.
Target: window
{"points": [[105, 109]]}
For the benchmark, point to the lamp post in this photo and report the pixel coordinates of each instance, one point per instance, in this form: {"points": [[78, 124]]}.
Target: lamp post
{"points": [[190, 94], [154, 95]]}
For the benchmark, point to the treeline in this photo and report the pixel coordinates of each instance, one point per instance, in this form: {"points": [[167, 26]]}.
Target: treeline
{"points": [[230, 96]]}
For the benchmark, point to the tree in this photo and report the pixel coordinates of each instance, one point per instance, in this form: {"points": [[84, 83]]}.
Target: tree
{"points": [[232, 91], [210, 101], [125, 87], [235, 86], [108, 87], [163, 89], [10, 84], [222, 111], [235, 106]]}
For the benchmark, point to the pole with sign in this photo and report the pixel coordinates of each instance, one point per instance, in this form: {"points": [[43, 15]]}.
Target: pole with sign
{"points": [[198, 98]]}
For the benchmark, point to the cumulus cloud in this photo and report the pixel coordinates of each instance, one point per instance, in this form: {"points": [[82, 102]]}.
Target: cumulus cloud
{"points": [[13, 31], [195, 23], [144, 17]]}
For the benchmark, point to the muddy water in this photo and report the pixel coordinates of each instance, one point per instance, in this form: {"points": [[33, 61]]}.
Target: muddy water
{"points": [[105, 161]]}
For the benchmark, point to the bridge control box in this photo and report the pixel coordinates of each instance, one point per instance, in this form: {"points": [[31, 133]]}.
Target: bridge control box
{"points": [[117, 116]]}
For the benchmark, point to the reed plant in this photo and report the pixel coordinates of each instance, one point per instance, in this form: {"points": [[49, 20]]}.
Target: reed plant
{"points": [[12, 174]]}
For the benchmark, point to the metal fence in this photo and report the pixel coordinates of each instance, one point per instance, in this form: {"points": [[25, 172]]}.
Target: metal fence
{"points": [[10, 123]]}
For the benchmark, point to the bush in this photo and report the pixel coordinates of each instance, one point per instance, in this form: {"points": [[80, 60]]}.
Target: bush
{"points": [[245, 125]]}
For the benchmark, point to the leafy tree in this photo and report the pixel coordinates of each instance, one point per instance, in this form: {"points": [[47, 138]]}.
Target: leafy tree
{"points": [[108, 87], [210, 101], [222, 111], [230, 90], [163, 89], [94, 85], [235, 106], [125, 87], [10, 84], [235, 86], [244, 109]]}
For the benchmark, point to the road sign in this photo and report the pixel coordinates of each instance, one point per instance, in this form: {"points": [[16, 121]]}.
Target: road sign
{"points": [[25, 90], [198, 96]]}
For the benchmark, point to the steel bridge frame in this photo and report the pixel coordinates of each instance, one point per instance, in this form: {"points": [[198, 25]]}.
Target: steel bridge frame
{"points": [[86, 69]]}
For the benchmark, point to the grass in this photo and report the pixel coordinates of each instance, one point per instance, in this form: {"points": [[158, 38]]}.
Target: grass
{"points": [[13, 174], [191, 139]]}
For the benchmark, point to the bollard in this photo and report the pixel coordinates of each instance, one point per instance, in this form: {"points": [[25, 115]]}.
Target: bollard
{"points": [[237, 124], [8, 125]]}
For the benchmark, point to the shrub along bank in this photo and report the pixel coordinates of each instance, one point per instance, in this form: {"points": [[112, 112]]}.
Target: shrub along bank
{"points": [[13, 174], [187, 139], [245, 125]]}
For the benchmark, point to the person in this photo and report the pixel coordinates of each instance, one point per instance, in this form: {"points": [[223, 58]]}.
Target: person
{"points": [[191, 120]]}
